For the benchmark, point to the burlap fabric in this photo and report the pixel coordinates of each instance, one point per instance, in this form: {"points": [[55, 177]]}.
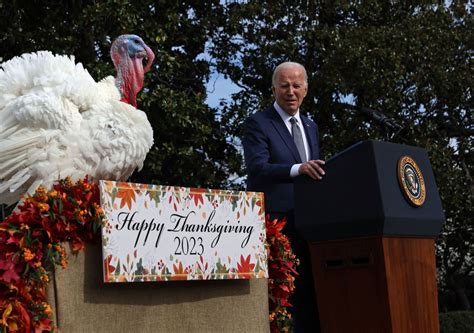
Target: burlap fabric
{"points": [[83, 303]]}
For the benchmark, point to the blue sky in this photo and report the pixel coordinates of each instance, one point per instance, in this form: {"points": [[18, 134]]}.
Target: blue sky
{"points": [[219, 88]]}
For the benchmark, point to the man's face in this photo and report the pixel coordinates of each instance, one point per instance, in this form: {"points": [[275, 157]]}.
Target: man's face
{"points": [[290, 89]]}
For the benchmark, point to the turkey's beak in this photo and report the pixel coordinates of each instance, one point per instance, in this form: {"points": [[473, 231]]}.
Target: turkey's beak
{"points": [[141, 54]]}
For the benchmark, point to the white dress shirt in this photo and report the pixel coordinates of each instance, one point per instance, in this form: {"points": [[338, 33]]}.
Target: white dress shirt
{"points": [[286, 119]]}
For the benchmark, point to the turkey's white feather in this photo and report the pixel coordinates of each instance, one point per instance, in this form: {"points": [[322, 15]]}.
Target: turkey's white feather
{"points": [[56, 121]]}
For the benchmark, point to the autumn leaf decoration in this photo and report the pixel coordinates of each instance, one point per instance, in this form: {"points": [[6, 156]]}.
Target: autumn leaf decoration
{"points": [[179, 272], [108, 268], [127, 194], [245, 268], [282, 264], [31, 246], [261, 204], [196, 194]]}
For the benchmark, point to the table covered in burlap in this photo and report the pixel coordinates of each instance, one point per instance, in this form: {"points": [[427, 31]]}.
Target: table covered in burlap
{"points": [[83, 303]]}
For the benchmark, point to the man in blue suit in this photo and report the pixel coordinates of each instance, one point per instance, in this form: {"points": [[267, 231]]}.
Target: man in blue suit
{"points": [[280, 144]]}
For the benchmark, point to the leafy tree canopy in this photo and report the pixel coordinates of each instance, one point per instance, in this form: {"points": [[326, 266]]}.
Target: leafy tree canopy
{"points": [[191, 146], [412, 61]]}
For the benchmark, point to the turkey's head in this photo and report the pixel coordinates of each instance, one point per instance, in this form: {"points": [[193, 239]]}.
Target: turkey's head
{"points": [[128, 53]]}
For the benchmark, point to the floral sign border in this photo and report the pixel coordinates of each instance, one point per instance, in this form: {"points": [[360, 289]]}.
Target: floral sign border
{"points": [[171, 233]]}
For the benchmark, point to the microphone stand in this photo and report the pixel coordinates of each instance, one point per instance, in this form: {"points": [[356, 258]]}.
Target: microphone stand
{"points": [[390, 127]]}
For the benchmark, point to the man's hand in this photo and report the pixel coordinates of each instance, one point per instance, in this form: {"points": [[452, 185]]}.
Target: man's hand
{"points": [[312, 168]]}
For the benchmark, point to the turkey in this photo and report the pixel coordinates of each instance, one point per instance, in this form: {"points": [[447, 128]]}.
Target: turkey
{"points": [[56, 121]]}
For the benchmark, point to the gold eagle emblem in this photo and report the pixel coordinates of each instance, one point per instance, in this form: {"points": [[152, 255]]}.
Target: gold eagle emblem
{"points": [[412, 183]]}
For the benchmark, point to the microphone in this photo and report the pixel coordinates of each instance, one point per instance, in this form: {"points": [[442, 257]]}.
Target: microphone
{"points": [[387, 123]]}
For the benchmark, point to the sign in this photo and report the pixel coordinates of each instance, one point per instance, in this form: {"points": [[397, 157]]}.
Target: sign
{"points": [[412, 183], [162, 233]]}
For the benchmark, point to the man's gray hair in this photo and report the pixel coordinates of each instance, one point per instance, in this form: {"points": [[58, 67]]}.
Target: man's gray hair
{"points": [[286, 65]]}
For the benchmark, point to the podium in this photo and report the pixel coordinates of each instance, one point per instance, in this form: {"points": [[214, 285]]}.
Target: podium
{"points": [[372, 239]]}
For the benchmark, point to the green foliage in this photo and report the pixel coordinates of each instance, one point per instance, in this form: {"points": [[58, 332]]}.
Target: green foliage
{"points": [[190, 148], [411, 61], [456, 322]]}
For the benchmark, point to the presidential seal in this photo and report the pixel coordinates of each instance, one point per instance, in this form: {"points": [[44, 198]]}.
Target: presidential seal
{"points": [[411, 181]]}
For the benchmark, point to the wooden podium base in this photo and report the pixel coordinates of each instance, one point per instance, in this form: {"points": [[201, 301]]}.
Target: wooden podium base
{"points": [[376, 284]]}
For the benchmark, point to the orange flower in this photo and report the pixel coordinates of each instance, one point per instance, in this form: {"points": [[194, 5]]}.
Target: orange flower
{"points": [[47, 308], [27, 255], [69, 183], [43, 207], [64, 263]]}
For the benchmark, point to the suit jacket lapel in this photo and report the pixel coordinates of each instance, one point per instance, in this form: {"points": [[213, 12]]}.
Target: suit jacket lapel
{"points": [[310, 135], [284, 133]]}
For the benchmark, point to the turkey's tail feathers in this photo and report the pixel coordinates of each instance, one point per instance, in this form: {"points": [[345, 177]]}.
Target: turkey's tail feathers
{"points": [[16, 157]]}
